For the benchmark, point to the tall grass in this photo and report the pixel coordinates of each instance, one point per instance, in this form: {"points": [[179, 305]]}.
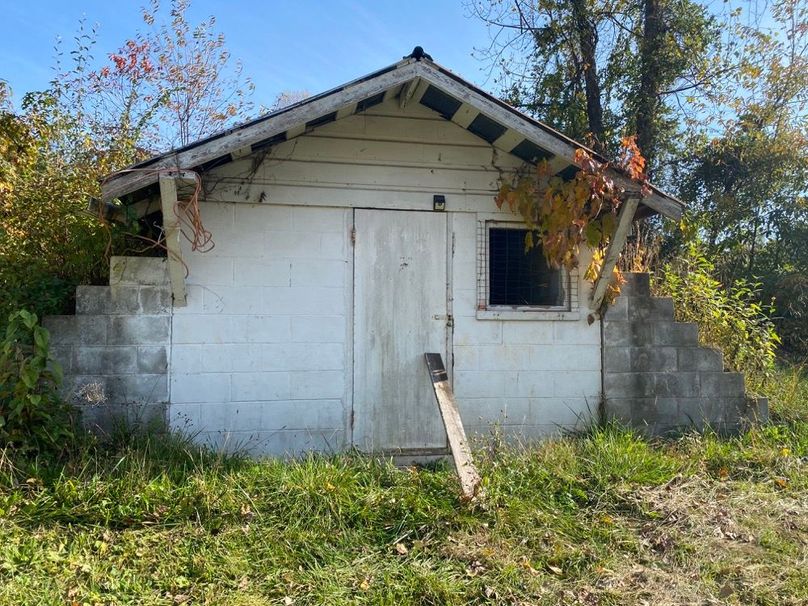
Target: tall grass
{"points": [[156, 520], [604, 517], [787, 391]]}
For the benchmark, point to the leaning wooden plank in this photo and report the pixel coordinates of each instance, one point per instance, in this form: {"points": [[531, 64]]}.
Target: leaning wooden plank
{"points": [[466, 471], [171, 229], [624, 219]]}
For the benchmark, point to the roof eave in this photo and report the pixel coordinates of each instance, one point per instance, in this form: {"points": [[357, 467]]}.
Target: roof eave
{"points": [[278, 123]]}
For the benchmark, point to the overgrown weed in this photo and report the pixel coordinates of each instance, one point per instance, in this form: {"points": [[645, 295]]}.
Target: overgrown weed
{"points": [[604, 517]]}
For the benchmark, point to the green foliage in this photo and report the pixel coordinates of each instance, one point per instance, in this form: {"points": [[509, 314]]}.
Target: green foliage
{"points": [[156, 520], [787, 392], [167, 85], [47, 243], [32, 416], [539, 52], [730, 319]]}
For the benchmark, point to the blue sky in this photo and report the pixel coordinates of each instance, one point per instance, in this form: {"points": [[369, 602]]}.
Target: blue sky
{"points": [[307, 45]]}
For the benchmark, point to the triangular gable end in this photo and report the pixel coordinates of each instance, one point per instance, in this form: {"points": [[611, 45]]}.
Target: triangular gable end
{"points": [[410, 81]]}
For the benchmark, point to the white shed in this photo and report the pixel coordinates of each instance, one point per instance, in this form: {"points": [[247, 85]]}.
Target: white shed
{"points": [[355, 231]]}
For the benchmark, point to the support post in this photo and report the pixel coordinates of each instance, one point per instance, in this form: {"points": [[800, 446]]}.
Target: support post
{"points": [[461, 453], [624, 218], [171, 230]]}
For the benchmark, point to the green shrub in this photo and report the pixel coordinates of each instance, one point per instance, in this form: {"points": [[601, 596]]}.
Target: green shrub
{"points": [[731, 319], [32, 416], [28, 284]]}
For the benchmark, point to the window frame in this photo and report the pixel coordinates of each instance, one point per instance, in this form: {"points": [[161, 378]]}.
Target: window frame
{"points": [[486, 311]]}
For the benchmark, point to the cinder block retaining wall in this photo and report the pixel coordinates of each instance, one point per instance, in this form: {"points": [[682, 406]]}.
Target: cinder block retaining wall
{"points": [[657, 378], [114, 351]]}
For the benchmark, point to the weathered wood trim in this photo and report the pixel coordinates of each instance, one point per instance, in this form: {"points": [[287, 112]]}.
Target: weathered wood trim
{"points": [[624, 219], [127, 182], [171, 230], [556, 164], [465, 115], [461, 453], [552, 143], [407, 92], [509, 139], [241, 152], [346, 111], [412, 78]]}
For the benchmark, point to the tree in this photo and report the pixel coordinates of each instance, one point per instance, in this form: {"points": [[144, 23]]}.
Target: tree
{"points": [[202, 89], [601, 69], [166, 86], [746, 187], [173, 83]]}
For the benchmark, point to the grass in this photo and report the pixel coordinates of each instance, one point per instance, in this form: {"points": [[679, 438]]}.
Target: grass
{"points": [[602, 518]]}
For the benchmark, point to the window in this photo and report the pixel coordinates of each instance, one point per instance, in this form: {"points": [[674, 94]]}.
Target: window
{"points": [[520, 279]]}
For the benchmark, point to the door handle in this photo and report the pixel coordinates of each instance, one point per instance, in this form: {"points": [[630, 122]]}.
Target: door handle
{"points": [[449, 319]]}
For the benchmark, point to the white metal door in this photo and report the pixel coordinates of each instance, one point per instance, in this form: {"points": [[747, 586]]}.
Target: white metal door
{"points": [[400, 312]]}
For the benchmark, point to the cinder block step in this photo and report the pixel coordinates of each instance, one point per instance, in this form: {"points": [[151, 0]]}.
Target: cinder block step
{"points": [[721, 384], [135, 271], [676, 334], [658, 378], [700, 359], [122, 300], [72, 330], [97, 300]]}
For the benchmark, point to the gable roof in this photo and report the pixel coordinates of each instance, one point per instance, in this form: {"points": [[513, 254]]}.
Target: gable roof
{"points": [[412, 81]]}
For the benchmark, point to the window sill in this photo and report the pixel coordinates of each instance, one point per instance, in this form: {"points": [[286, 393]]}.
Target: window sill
{"points": [[528, 315]]}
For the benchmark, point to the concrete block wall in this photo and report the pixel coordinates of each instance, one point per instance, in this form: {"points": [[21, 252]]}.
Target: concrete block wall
{"points": [[261, 355], [531, 374], [114, 351], [658, 379]]}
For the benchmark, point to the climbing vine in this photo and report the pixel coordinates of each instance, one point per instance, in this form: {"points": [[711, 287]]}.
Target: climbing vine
{"points": [[562, 215]]}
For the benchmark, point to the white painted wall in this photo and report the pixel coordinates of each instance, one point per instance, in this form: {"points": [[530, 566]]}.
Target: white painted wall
{"points": [[262, 357], [259, 355]]}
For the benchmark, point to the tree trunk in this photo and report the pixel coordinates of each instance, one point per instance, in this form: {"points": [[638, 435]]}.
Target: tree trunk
{"points": [[648, 98], [587, 40], [753, 249]]}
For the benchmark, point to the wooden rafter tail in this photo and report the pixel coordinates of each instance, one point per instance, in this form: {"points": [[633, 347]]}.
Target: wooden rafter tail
{"points": [[461, 453], [624, 219], [408, 91]]}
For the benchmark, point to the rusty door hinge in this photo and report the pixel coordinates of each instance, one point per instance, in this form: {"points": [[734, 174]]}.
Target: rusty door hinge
{"points": [[353, 235]]}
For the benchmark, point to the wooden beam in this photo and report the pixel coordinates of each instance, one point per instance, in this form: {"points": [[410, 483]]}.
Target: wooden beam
{"points": [[392, 93], [461, 453], [296, 131], [348, 110], [171, 231], [509, 139], [465, 115], [241, 152], [624, 219], [407, 92]]}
